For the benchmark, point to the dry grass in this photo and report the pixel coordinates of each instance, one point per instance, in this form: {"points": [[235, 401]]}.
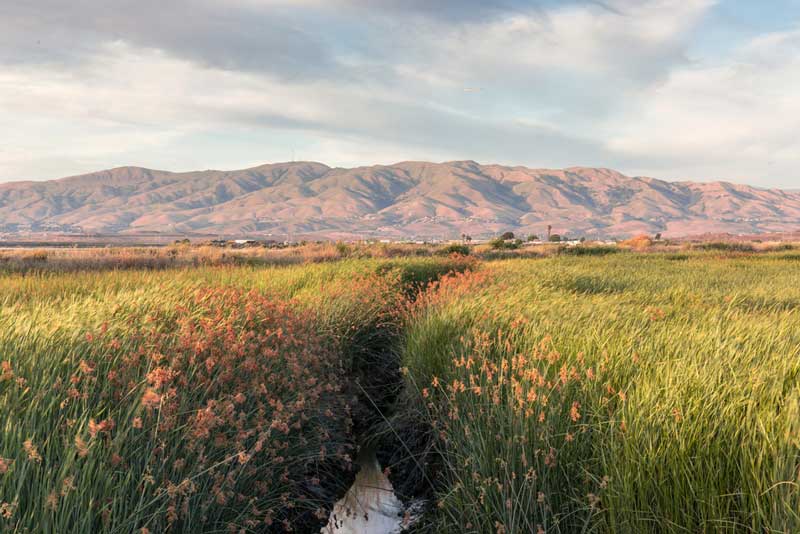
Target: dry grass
{"points": [[119, 258], [178, 256]]}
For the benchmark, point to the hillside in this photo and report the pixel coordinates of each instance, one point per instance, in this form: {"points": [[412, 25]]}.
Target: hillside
{"points": [[408, 199]]}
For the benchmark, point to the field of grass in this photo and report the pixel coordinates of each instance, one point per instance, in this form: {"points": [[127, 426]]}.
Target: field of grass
{"points": [[192, 400], [104, 258], [626, 394], [613, 392]]}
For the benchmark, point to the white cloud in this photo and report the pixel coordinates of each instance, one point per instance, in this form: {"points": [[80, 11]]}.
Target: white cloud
{"points": [[607, 84], [738, 119], [126, 101], [623, 38]]}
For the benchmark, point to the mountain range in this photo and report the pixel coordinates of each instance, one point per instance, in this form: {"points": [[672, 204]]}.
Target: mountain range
{"points": [[404, 200]]}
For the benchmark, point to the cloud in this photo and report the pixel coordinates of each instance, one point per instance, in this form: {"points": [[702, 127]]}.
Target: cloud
{"points": [[101, 110], [231, 35], [313, 39], [736, 119], [613, 83]]}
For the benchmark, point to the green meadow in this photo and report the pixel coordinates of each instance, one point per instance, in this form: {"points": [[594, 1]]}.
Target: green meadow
{"points": [[612, 393], [626, 393]]}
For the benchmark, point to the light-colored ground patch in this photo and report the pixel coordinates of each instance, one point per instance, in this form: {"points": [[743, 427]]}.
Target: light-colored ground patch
{"points": [[370, 505]]}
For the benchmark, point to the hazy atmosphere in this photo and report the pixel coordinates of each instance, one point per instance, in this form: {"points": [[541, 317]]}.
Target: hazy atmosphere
{"points": [[676, 89]]}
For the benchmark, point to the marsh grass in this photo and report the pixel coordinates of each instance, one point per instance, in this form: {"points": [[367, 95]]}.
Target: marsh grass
{"points": [[188, 400], [685, 374], [67, 259], [620, 393]]}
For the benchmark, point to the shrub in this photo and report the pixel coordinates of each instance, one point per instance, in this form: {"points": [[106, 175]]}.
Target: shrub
{"points": [[456, 248], [342, 249], [501, 244], [497, 243], [640, 242]]}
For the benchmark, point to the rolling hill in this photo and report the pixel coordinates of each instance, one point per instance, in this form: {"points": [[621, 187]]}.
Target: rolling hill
{"points": [[408, 199]]}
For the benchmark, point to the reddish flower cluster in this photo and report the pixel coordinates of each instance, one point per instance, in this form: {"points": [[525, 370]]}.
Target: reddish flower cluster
{"points": [[510, 421], [241, 404]]}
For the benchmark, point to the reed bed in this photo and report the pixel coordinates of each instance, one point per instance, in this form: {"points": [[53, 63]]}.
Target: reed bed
{"points": [[214, 399], [621, 394], [593, 391], [68, 259]]}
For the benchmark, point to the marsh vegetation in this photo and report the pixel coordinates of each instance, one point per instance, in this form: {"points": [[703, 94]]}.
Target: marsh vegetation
{"points": [[610, 392]]}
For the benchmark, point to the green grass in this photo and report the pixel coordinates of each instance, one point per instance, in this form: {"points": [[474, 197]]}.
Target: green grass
{"points": [[188, 400], [614, 393], [689, 424]]}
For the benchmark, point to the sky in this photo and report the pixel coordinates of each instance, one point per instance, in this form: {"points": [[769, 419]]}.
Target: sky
{"points": [[674, 89]]}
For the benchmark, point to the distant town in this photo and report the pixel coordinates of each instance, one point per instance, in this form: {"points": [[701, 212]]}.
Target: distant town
{"points": [[507, 240]]}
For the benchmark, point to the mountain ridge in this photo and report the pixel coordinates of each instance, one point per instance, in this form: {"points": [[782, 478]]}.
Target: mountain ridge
{"points": [[403, 200]]}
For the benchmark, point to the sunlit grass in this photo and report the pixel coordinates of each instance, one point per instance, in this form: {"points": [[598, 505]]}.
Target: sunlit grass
{"points": [[619, 393], [189, 400], [686, 378]]}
